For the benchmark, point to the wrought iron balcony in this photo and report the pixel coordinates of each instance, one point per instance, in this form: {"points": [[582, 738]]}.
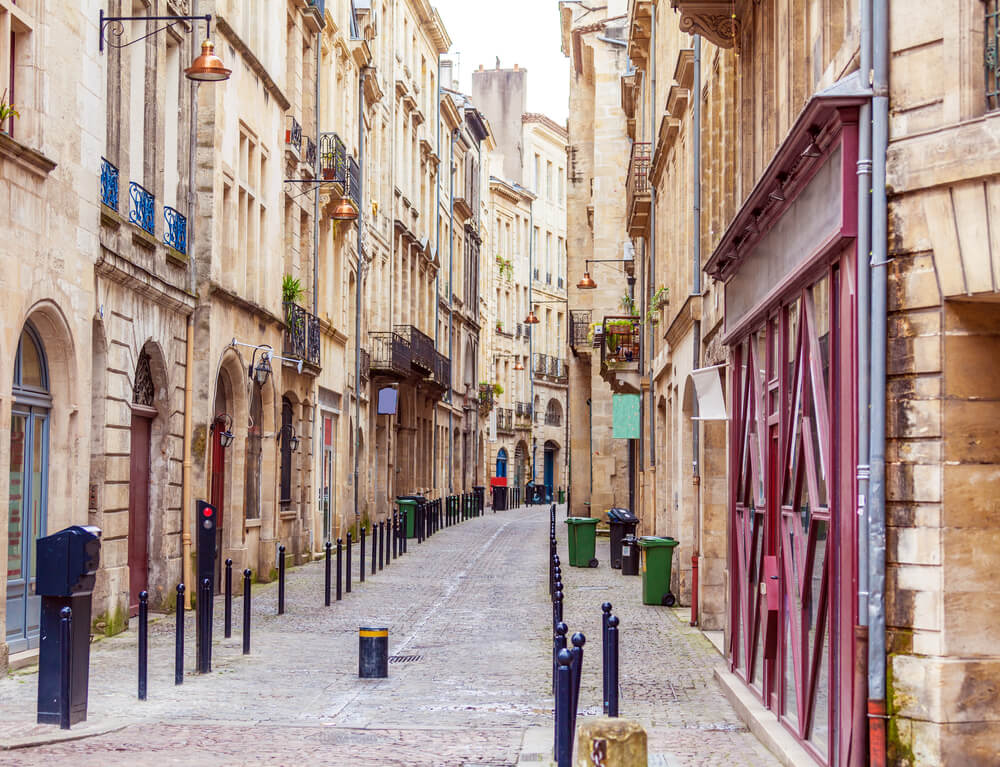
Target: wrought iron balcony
{"points": [[536, 272], [354, 181], [141, 207], [487, 398], [639, 198], [319, 5], [580, 330], [553, 418], [505, 420], [302, 336], [390, 355], [174, 230], [442, 373], [366, 366], [421, 347], [109, 184], [293, 134], [523, 410], [332, 158], [310, 152], [549, 367]]}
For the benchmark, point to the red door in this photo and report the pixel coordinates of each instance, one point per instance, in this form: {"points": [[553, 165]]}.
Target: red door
{"points": [[138, 511], [218, 494]]}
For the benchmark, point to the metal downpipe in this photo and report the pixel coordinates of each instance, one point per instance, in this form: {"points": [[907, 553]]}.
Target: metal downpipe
{"points": [[451, 307], [879, 330], [357, 291], [437, 274], [696, 361]]}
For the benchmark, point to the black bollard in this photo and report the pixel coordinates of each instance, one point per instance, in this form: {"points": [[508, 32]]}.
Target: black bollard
{"points": [[229, 599], [347, 567], [340, 568], [558, 643], [557, 614], [66, 668], [246, 611], [179, 638], [374, 545], [564, 724], [613, 666], [381, 539], [579, 640], [395, 536], [605, 614], [281, 580], [361, 552], [143, 641], [373, 652], [328, 574], [387, 540], [205, 616], [405, 525]]}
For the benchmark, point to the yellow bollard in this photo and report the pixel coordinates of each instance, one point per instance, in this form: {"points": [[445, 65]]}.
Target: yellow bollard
{"points": [[608, 742]]}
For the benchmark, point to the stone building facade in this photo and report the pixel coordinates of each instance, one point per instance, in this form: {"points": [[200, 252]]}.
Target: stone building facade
{"points": [[752, 201]]}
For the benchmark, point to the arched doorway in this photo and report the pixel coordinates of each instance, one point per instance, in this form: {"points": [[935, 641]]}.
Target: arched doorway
{"points": [[549, 470], [143, 413], [502, 463], [28, 493], [520, 461]]}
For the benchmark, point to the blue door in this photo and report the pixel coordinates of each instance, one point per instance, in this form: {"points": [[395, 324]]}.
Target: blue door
{"points": [[550, 460], [502, 463]]}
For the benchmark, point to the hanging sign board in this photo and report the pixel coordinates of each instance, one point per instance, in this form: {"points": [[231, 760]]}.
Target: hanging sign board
{"points": [[387, 399]]}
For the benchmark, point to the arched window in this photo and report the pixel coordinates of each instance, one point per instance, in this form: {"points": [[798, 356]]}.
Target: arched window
{"points": [[28, 493], [285, 489], [553, 413], [502, 463]]}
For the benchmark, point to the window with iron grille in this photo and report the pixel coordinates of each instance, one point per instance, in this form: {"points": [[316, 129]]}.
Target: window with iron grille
{"points": [[991, 26]]}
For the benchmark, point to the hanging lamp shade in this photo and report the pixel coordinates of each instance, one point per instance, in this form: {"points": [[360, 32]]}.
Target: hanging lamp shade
{"points": [[518, 365], [531, 319], [207, 68], [586, 283], [344, 211]]}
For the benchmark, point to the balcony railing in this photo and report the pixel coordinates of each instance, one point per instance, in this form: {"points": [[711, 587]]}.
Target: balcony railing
{"points": [[310, 152], [523, 410], [421, 346], [332, 158], [442, 372], [536, 273], [486, 398], [293, 134], [109, 184], [580, 329], [621, 341], [366, 366], [505, 420], [141, 207], [354, 181], [301, 337], [638, 202], [174, 230], [390, 354], [319, 5], [550, 367]]}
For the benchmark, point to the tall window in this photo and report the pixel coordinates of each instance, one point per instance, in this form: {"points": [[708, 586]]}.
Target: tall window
{"points": [[549, 185], [252, 211], [254, 454], [285, 489], [992, 27], [17, 63]]}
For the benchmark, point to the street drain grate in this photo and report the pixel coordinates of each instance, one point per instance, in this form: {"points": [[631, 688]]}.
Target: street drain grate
{"points": [[405, 658]]}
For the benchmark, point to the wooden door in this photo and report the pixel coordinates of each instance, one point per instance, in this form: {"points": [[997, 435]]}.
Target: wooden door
{"points": [[138, 511]]}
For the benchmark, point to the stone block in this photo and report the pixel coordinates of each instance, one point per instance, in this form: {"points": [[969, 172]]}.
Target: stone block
{"points": [[971, 623], [971, 365], [913, 418], [913, 482], [622, 742], [969, 556], [946, 690], [914, 285], [971, 496], [970, 433], [919, 545]]}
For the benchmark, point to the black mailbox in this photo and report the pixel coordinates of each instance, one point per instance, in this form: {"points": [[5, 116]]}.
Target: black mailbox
{"points": [[67, 569]]}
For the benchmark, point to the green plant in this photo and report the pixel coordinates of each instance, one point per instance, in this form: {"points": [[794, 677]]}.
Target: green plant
{"points": [[7, 111], [657, 302], [628, 305], [497, 389], [291, 289], [506, 267]]}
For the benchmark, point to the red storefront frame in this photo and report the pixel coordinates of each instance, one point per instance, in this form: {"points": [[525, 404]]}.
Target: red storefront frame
{"points": [[792, 473]]}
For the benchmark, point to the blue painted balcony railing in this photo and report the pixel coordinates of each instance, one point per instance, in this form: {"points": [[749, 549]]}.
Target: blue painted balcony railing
{"points": [[310, 152], [109, 184], [175, 230], [141, 207], [293, 136]]}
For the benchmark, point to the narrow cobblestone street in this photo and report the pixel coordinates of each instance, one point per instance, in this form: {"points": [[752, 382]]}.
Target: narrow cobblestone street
{"points": [[469, 615]]}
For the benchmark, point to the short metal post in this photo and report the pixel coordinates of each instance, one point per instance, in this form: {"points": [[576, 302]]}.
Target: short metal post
{"points": [[564, 723], [374, 545], [605, 614], [404, 516], [388, 540], [340, 568], [281, 580], [66, 669], [557, 613], [558, 643], [229, 599], [361, 553], [347, 566], [328, 574], [393, 540], [579, 640], [205, 616], [381, 540], [143, 642], [246, 611], [179, 638], [613, 665]]}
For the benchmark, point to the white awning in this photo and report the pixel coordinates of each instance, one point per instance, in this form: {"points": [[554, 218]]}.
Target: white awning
{"points": [[711, 399]]}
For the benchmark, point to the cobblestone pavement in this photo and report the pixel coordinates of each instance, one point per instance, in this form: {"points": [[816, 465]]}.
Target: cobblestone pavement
{"points": [[471, 604]]}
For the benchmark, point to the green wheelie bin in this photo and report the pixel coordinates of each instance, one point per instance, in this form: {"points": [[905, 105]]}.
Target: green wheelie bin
{"points": [[657, 558], [582, 541], [409, 506]]}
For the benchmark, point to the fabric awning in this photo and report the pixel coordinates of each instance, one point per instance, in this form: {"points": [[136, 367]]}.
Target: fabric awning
{"points": [[708, 388]]}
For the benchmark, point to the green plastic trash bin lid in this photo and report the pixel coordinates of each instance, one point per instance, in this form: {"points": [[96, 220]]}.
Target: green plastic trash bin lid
{"points": [[582, 541], [411, 516], [658, 555]]}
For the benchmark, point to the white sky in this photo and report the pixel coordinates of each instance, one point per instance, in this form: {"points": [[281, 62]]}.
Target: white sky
{"points": [[522, 32]]}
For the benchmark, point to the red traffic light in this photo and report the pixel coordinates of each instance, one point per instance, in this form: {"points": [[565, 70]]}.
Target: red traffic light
{"points": [[207, 511]]}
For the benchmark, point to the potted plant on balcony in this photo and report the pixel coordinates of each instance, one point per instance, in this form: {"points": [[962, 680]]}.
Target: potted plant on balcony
{"points": [[596, 334], [656, 303], [499, 326], [619, 339], [291, 293], [7, 113]]}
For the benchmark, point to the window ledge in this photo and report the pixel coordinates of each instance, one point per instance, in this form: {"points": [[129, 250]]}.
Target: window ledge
{"points": [[31, 159], [252, 523]]}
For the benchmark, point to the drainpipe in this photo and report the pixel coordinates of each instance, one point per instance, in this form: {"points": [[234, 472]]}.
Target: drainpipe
{"points": [[360, 223], [863, 257], [590, 435], [696, 361], [879, 329], [316, 421], [437, 274], [531, 329], [451, 307], [651, 278], [631, 445], [187, 569]]}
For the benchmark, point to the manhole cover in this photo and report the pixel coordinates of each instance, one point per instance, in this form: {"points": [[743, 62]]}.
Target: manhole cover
{"points": [[404, 658]]}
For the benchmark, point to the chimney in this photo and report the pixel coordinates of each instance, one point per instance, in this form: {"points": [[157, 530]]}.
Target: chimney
{"points": [[516, 67]]}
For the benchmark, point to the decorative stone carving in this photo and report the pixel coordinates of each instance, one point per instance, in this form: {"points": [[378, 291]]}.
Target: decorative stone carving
{"points": [[718, 21]]}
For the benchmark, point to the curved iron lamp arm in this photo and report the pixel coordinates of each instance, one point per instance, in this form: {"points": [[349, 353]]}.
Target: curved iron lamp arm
{"points": [[112, 27]]}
